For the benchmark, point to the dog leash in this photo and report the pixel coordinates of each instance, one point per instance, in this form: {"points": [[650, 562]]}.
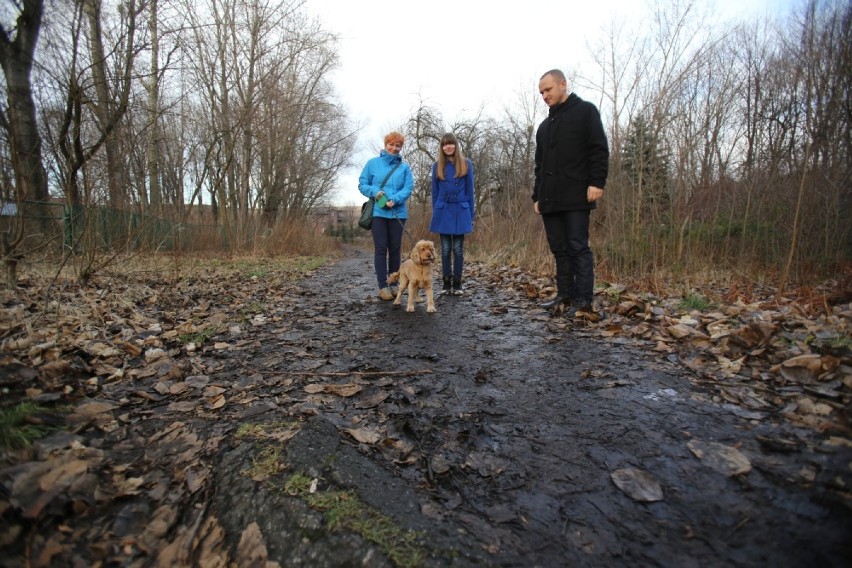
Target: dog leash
{"points": [[404, 230]]}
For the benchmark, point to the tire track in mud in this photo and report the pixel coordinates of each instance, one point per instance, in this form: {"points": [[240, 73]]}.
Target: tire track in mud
{"points": [[515, 430]]}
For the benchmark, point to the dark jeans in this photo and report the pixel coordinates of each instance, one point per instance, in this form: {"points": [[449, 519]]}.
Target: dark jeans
{"points": [[452, 245], [387, 242], [568, 237]]}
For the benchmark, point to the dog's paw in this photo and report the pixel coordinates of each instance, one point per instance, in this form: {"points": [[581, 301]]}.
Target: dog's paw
{"points": [[409, 309], [431, 309]]}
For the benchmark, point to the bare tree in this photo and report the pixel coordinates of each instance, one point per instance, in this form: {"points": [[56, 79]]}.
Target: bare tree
{"points": [[17, 48]]}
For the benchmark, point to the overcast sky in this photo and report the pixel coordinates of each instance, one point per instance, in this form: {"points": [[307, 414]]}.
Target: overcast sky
{"points": [[458, 55]]}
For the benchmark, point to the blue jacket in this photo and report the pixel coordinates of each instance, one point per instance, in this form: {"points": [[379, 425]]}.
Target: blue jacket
{"points": [[398, 187], [452, 201]]}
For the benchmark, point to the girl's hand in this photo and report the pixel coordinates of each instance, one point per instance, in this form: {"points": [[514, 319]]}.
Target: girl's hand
{"points": [[390, 203]]}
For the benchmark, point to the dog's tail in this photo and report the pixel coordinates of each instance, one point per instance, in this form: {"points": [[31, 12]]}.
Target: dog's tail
{"points": [[394, 277]]}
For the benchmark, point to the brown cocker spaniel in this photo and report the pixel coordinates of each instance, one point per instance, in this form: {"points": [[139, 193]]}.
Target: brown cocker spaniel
{"points": [[415, 273]]}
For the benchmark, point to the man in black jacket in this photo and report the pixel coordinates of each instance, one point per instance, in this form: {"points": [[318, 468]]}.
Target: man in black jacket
{"points": [[571, 164]]}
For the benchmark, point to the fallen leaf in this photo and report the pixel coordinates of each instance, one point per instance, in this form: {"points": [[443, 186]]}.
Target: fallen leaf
{"points": [[485, 464], [637, 484], [724, 459], [681, 330], [63, 475], [92, 408], [216, 402], [371, 399], [345, 390], [365, 435], [251, 550]]}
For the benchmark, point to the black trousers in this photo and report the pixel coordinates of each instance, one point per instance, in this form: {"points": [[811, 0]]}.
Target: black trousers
{"points": [[568, 237]]}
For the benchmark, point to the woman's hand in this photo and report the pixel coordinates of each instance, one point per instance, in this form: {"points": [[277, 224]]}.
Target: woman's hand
{"points": [[390, 203]]}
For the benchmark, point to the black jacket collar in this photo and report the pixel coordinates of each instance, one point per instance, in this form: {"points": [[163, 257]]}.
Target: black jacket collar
{"points": [[569, 102]]}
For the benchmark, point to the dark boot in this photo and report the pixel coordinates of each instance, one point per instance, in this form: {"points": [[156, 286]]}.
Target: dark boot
{"points": [[557, 302], [448, 285], [581, 309], [457, 287]]}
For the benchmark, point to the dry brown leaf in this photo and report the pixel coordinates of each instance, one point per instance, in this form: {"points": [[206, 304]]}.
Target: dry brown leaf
{"points": [[724, 459], [152, 355], [810, 406], [365, 435], [100, 349], [185, 406], [637, 484], [439, 464], [63, 475], [682, 330], [130, 348], [810, 361], [372, 399], [56, 369], [127, 485], [213, 390], [51, 548], [92, 408], [485, 464], [195, 478], [216, 402], [197, 381], [251, 550], [178, 388], [345, 390]]}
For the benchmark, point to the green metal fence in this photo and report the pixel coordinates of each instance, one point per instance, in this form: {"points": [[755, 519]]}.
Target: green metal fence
{"points": [[78, 228]]}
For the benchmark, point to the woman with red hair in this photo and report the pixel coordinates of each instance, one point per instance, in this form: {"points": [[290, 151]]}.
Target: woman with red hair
{"points": [[387, 179]]}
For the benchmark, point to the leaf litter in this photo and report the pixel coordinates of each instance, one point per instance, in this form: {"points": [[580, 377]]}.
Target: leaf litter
{"points": [[151, 382]]}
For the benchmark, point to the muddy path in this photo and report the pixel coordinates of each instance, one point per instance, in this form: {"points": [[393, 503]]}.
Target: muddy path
{"points": [[260, 418], [493, 432]]}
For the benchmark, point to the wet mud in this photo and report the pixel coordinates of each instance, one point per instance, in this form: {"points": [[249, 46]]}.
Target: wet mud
{"points": [[496, 431]]}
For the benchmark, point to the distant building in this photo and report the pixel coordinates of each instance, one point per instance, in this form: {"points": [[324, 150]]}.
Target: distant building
{"points": [[325, 218]]}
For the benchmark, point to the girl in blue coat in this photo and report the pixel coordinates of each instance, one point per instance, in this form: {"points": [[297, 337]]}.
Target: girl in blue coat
{"points": [[390, 210], [452, 209]]}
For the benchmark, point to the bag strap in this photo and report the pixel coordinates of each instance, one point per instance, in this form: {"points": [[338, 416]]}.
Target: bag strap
{"points": [[390, 173]]}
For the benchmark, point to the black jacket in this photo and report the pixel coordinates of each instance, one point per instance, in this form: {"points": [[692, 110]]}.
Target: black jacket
{"points": [[571, 154]]}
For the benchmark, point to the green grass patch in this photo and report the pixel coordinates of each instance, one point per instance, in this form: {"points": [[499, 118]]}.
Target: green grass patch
{"points": [[262, 430], [695, 302], [197, 337], [298, 485], [249, 431], [16, 428], [253, 309], [342, 510], [301, 265], [266, 463], [842, 341]]}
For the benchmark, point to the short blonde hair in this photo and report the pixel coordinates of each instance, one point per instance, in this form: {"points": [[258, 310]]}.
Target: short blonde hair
{"points": [[394, 137]]}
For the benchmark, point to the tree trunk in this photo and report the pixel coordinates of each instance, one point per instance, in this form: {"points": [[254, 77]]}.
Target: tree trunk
{"points": [[16, 59], [153, 158], [104, 109]]}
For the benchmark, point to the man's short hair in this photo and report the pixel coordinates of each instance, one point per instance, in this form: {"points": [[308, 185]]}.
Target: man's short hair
{"points": [[557, 74]]}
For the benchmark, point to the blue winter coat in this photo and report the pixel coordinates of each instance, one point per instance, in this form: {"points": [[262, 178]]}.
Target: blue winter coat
{"points": [[397, 189], [452, 201]]}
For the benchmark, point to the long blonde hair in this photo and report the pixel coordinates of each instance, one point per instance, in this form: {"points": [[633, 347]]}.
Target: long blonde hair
{"points": [[458, 158]]}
